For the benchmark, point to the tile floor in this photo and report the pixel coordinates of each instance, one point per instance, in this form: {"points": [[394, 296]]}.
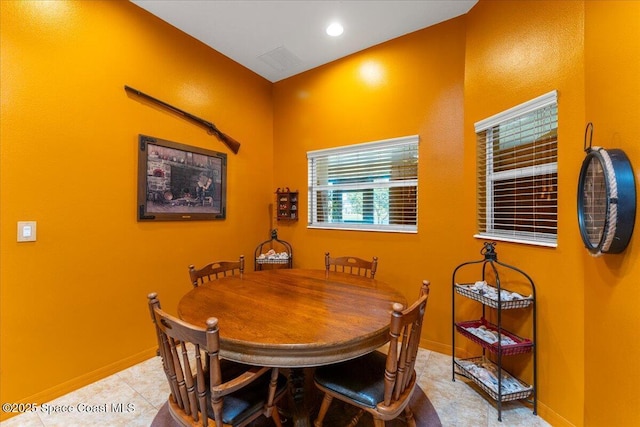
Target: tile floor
{"points": [[142, 390]]}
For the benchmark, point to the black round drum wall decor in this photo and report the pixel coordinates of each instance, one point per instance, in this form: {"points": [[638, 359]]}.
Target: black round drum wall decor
{"points": [[606, 199]]}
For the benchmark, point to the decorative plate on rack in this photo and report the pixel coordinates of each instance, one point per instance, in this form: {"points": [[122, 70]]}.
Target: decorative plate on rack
{"points": [[606, 199]]}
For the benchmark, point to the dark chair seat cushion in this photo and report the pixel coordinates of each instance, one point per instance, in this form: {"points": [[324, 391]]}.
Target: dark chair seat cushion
{"points": [[361, 379], [239, 406]]}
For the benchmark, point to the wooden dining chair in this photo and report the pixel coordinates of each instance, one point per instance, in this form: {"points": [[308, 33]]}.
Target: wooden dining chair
{"points": [[352, 265], [215, 270], [379, 384], [212, 391]]}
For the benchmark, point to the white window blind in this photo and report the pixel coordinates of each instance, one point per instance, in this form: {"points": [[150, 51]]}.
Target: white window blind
{"points": [[517, 173], [371, 186]]}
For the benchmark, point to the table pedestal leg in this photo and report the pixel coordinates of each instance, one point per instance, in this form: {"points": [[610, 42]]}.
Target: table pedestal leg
{"points": [[299, 411]]}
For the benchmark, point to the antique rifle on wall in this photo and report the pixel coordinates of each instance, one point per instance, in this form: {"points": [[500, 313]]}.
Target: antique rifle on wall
{"points": [[210, 127]]}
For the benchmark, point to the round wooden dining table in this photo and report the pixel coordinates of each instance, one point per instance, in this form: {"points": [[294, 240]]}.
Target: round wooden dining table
{"points": [[294, 318]]}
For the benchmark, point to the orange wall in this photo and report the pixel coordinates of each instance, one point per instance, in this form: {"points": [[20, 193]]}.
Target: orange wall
{"points": [[516, 51], [66, 121], [73, 303], [414, 86], [612, 304], [508, 53], [429, 78]]}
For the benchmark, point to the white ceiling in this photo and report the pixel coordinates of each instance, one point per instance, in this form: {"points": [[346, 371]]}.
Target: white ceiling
{"points": [[278, 39]]}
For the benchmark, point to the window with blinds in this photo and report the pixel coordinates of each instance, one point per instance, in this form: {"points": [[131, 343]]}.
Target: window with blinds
{"points": [[371, 186], [517, 173]]}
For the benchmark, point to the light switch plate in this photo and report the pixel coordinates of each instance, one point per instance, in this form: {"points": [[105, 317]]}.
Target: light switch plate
{"points": [[26, 231]]}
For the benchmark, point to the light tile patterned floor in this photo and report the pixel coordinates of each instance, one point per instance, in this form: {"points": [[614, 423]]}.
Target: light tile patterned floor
{"points": [[132, 398]]}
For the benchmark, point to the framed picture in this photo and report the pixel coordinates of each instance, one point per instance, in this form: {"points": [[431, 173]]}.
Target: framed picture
{"points": [[177, 182]]}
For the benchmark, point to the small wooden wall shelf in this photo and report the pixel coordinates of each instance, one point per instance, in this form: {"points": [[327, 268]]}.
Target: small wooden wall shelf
{"points": [[286, 204]]}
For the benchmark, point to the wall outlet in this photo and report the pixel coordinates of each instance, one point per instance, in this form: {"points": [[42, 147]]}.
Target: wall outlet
{"points": [[26, 231]]}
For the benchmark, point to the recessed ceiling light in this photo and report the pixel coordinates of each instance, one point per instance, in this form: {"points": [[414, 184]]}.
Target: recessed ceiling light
{"points": [[335, 29]]}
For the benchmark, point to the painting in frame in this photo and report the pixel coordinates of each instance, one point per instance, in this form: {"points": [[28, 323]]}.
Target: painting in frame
{"points": [[178, 182]]}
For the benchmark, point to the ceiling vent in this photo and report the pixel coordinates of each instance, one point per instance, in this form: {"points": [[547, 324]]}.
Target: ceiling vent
{"points": [[281, 59]]}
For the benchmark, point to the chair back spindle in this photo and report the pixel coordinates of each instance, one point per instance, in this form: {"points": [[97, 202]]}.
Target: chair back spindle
{"points": [[361, 381], [405, 331], [190, 359], [215, 270], [351, 265]]}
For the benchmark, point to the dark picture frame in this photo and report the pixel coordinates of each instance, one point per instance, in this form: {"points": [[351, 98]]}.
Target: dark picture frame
{"points": [[178, 182]]}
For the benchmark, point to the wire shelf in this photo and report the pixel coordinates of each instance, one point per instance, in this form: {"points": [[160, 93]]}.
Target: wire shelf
{"points": [[523, 392], [272, 260], [465, 290], [523, 345]]}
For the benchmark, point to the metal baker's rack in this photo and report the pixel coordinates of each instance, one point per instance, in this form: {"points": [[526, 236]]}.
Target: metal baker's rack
{"points": [[486, 370]]}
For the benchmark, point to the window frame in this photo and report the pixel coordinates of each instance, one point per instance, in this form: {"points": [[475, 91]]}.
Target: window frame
{"points": [[487, 176], [402, 143]]}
